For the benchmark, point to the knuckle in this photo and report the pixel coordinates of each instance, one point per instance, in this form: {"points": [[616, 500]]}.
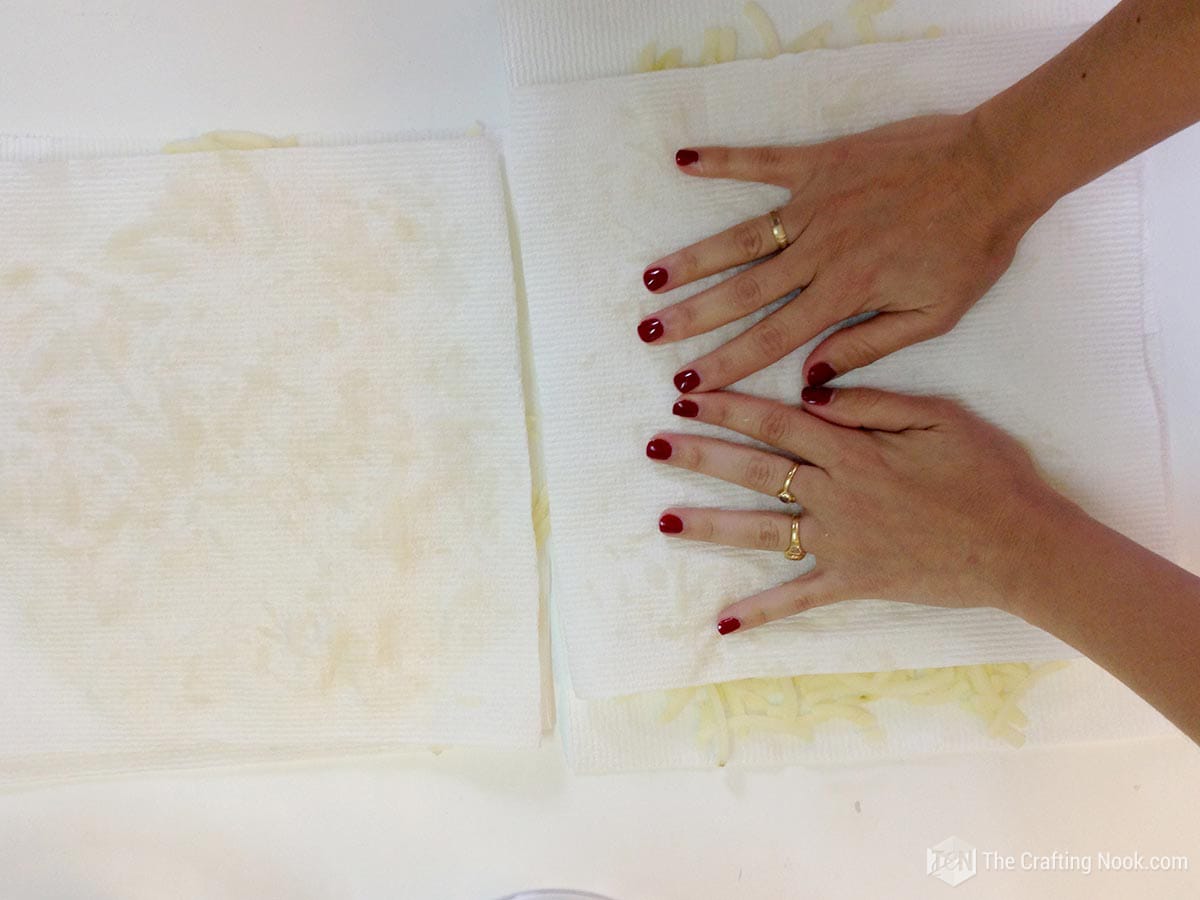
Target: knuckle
{"points": [[686, 263], [684, 315], [768, 536], [799, 602], [771, 340], [776, 426], [768, 157], [715, 411], [692, 456], [868, 402], [860, 349], [759, 476], [747, 292], [748, 239]]}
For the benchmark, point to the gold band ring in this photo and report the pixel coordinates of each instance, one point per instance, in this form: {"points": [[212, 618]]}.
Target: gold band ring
{"points": [[794, 550], [785, 495], [778, 231]]}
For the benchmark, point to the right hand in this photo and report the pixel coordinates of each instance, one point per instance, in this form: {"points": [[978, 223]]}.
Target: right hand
{"points": [[904, 498]]}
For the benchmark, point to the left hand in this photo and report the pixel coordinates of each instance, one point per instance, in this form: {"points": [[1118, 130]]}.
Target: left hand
{"points": [[904, 498]]}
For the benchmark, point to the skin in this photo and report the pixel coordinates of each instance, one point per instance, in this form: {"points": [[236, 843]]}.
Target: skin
{"points": [[915, 499], [916, 220], [912, 498]]}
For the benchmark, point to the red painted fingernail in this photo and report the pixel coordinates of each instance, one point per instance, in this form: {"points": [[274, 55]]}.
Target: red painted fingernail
{"points": [[670, 524], [658, 449], [654, 278], [725, 626], [687, 381], [817, 395], [821, 373], [650, 330], [685, 408], [686, 157]]}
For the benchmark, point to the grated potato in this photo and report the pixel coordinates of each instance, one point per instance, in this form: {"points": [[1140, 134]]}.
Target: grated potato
{"points": [[863, 13], [765, 28], [647, 57], [672, 59], [814, 39], [798, 706], [230, 140]]}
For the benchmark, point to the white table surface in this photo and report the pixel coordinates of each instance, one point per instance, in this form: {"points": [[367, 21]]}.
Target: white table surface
{"points": [[474, 825]]}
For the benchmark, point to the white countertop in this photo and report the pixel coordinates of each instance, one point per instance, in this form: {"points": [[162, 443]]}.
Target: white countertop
{"points": [[475, 825]]}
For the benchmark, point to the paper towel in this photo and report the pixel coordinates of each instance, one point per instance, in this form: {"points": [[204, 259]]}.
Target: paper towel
{"points": [[551, 41], [264, 478], [1053, 353]]}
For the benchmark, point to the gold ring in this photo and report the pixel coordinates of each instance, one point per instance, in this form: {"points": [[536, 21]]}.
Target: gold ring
{"points": [[777, 230], [794, 550], [786, 495]]}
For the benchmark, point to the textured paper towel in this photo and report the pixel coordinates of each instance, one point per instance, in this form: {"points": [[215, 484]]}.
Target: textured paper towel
{"points": [[551, 41], [1054, 354], [265, 480]]}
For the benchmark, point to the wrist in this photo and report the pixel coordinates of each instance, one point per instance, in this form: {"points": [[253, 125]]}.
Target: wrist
{"points": [[1048, 557], [1018, 190]]}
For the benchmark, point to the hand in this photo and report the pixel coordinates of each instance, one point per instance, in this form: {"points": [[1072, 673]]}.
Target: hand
{"points": [[904, 498], [905, 221]]}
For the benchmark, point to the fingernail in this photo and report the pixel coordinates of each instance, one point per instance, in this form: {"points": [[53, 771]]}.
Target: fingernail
{"points": [[821, 373], [670, 524], [650, 330], [687, 381], [686, 408], [654, 278], [686, 157], [816, 395], [658, 449], [725, 626]]}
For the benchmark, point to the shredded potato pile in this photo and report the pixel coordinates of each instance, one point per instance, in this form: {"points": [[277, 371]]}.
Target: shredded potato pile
{"points": [[721, 44], [229, 140], [797, 706]]}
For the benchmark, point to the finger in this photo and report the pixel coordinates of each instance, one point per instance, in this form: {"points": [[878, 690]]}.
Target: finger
{"points": [[818, 588], [743, 243], [766, 342], [751, 468], [769, 165], [775, 424], [865, 342], [876, 410], [734, 297], [751, 530]]}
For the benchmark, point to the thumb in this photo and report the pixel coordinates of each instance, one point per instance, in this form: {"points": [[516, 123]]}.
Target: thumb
{"points": [[865, 342], [817, 588], [876, 410]]}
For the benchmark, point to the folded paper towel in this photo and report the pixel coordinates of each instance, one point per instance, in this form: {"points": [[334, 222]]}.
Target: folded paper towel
{"points": [[1054, 354], [263, 488]]}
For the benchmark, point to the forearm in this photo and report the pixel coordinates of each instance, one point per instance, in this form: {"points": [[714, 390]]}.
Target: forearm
{"points": [[1131, 81], [1133, 612]]}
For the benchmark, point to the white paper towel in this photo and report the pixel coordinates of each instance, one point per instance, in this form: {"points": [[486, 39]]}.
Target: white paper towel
{"points": [[264, 473], [552, 41], [1053, 354]]}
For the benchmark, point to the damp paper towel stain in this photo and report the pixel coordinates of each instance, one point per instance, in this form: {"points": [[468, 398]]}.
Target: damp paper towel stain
{"points": [[264, 473]]}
